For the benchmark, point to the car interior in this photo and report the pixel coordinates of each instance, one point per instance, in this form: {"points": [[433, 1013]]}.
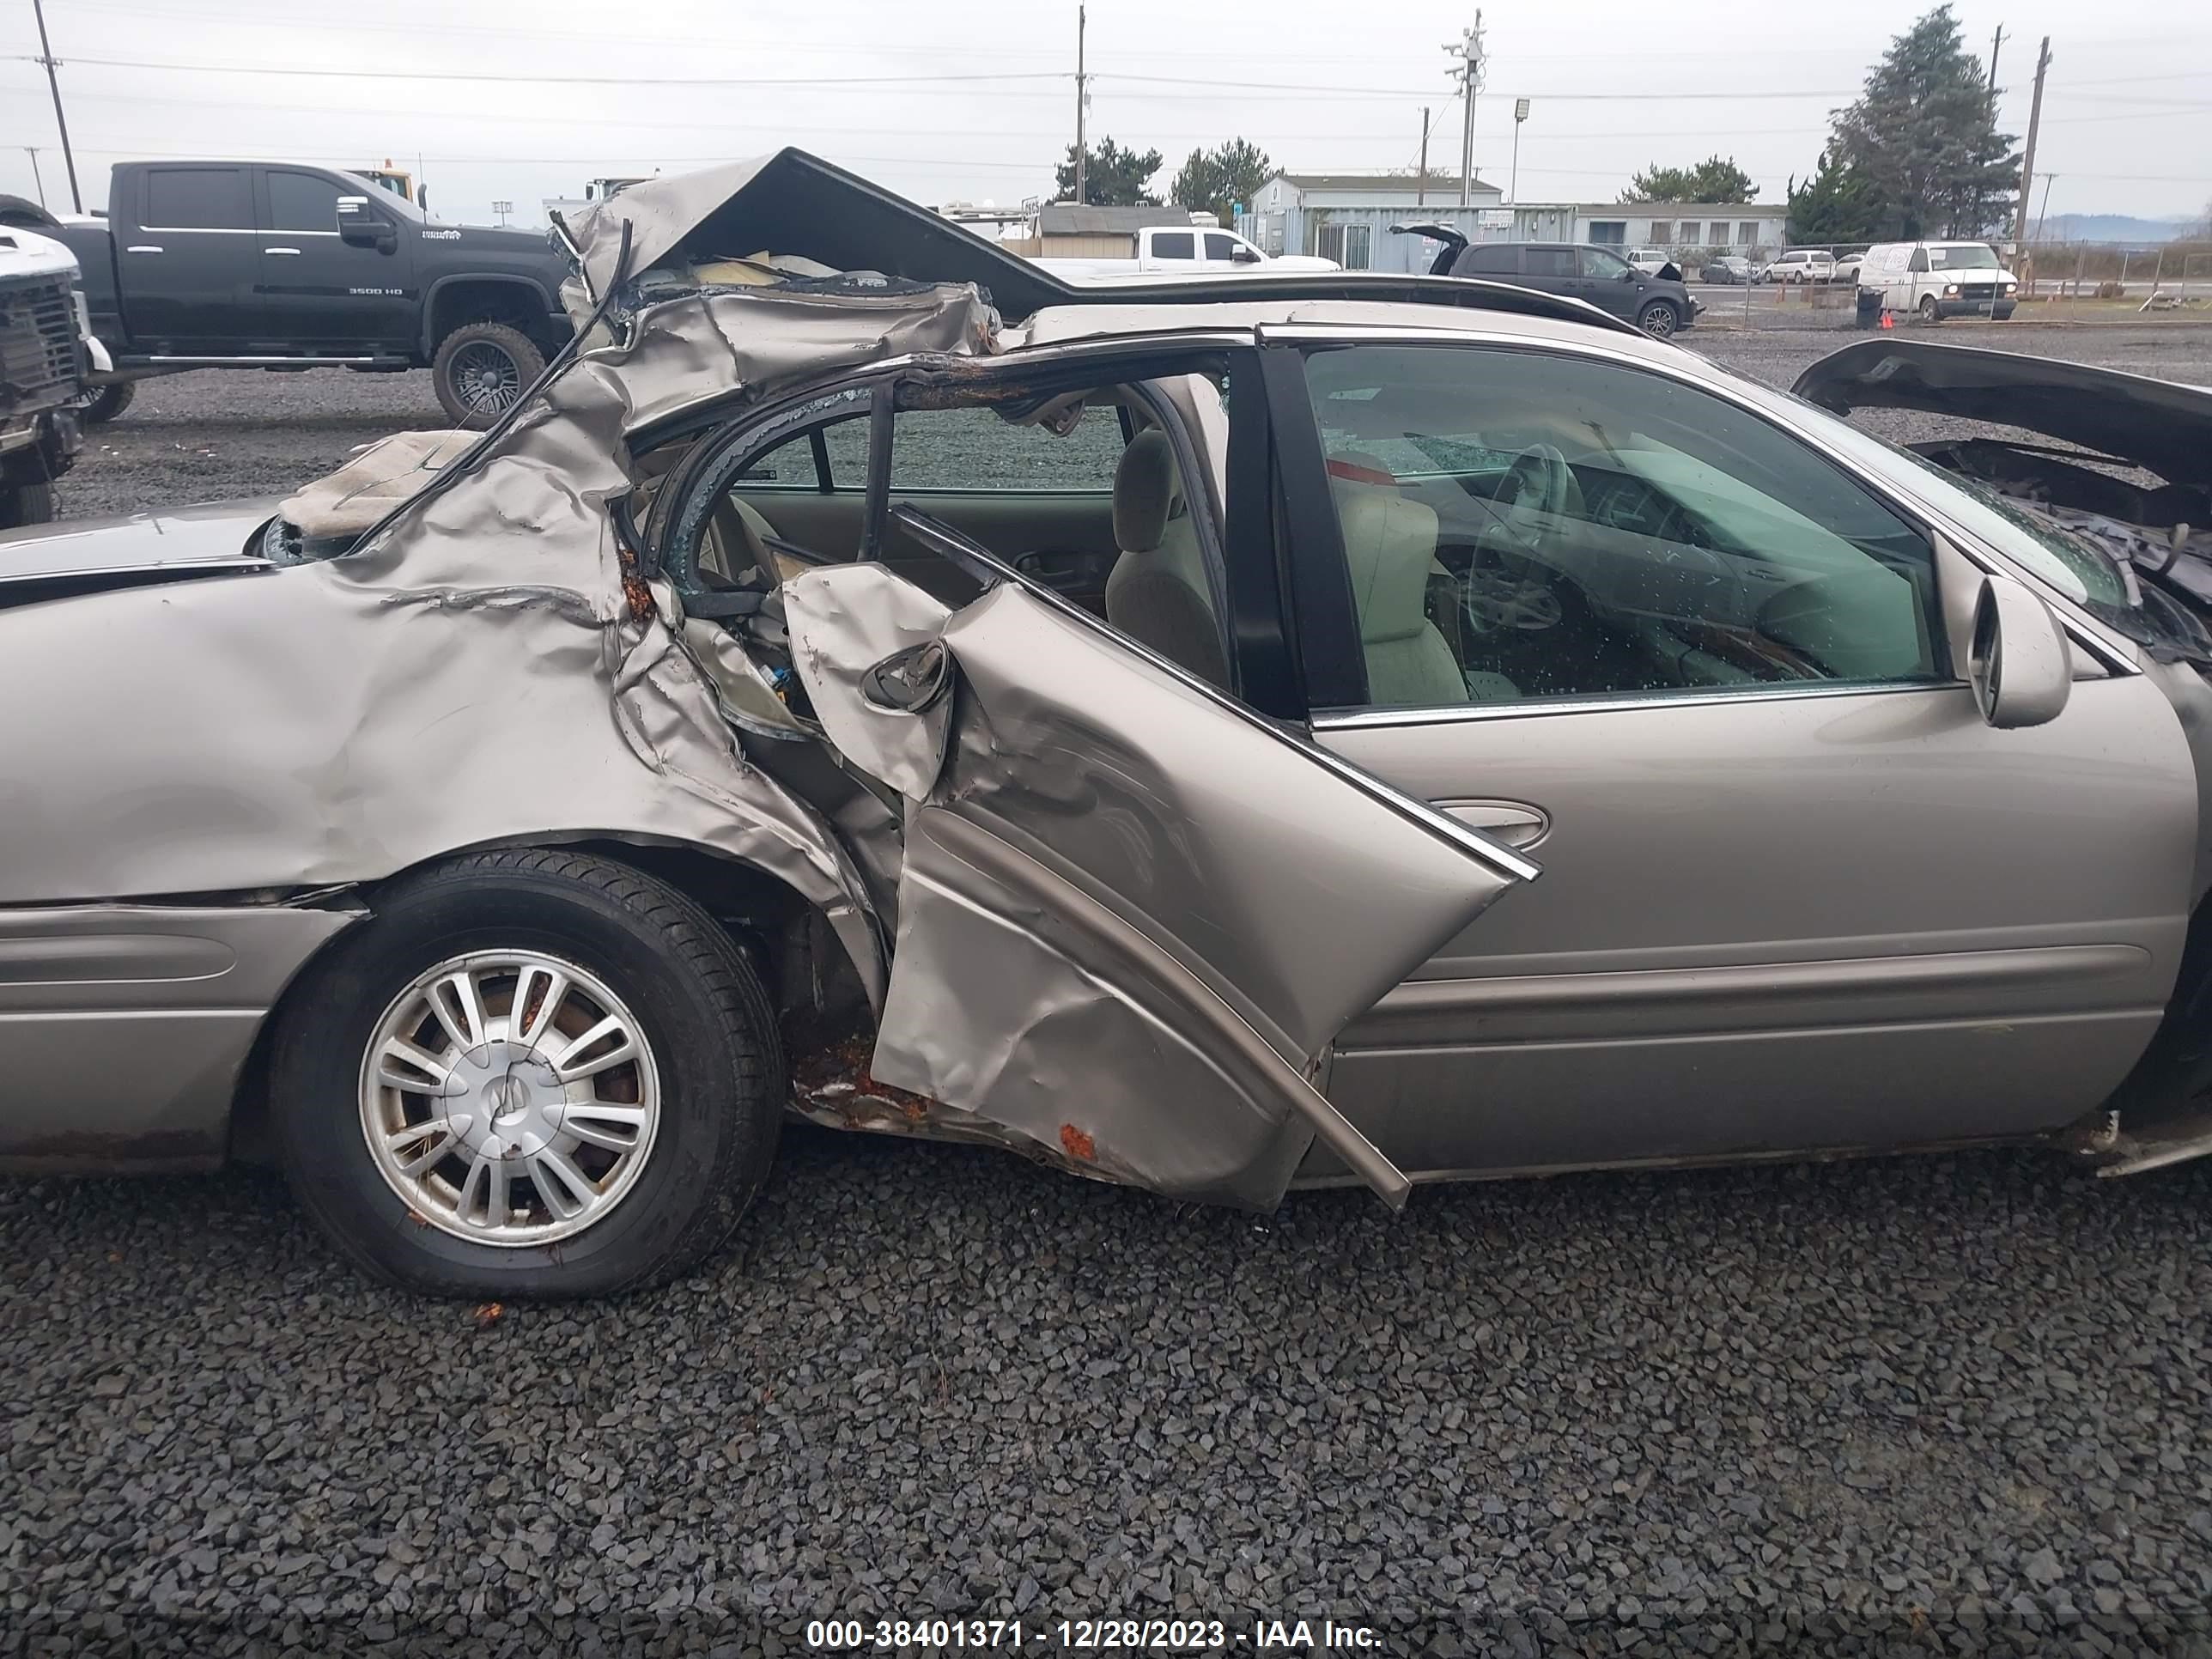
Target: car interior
{"points": [[1080, 491], [1519, 529]]}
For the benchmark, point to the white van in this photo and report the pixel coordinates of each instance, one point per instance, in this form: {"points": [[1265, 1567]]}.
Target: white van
{"points": [[1935, 280]]}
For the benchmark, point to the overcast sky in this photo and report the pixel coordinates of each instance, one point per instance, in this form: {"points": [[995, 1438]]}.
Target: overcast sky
{"points": [[975, 99]]}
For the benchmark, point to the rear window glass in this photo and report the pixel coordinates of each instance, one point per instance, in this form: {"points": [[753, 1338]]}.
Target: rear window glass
{"points": [[1176, 244], [1491, 262], [198, 198]]}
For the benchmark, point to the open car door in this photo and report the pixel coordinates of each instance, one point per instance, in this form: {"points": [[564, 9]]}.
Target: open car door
{"points": [[1132, 915]]}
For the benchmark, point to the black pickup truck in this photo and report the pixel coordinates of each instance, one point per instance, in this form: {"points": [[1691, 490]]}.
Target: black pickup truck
{"points": [[251, 264]]}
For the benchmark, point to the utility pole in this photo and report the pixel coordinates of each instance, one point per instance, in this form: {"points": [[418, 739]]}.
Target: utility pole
{"points": [[1082, 97], [1996, 46], [37, 178], [2027, 160], [1420, 178], [1468, 50], [54, 85]]}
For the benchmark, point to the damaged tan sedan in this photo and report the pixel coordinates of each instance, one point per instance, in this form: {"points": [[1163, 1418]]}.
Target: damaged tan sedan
{"points": [[1102, 734]]}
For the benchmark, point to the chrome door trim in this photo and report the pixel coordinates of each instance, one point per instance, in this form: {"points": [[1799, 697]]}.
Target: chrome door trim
{"points": [[2117, 653], [1354, 719]]}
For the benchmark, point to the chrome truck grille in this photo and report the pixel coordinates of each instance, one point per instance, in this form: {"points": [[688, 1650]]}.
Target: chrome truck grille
{"points": [[39, 354]]}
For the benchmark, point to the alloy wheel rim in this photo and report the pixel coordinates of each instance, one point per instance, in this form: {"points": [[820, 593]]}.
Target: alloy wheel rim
{"points": [[509, 1098], [1660, 322], [487, 379]]}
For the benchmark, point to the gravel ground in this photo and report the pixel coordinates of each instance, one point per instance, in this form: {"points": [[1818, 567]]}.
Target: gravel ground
{"points": [[1953, 1404]]}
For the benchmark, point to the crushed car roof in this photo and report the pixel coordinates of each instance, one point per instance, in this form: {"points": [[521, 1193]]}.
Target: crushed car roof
{"points": [[796, 204], [2158, 425]]}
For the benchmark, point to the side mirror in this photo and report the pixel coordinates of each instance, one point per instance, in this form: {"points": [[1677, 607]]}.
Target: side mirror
{"points": [[1246, 256], [1629, 274], [2019, 665], [360, 227]]}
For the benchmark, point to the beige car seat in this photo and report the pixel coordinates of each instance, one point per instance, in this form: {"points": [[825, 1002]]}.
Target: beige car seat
{"points": [[1157, 592], [1389, 548]]}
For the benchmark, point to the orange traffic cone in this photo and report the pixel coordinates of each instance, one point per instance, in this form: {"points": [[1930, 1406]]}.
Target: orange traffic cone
{"points": [[1887, 321]]}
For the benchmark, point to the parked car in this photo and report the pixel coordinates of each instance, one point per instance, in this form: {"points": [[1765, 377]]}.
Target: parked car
{"points": [[1730, 269], [246, 265], [1846, 267], [1935, 280], [858, 697], [1659, 305], [42, 366], [1187, 250], [1655, 262], [1802, 264]]}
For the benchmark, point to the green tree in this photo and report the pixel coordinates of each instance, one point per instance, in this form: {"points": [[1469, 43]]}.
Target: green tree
{"points": [[1714, 179], [1212, 180], [1835, 204], [1924, 136], [1112, 176]]}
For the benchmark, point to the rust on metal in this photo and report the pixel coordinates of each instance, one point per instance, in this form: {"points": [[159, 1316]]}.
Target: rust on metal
{"points": [[1077, 1144]]}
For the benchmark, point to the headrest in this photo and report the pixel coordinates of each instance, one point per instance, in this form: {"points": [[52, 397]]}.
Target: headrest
{"points": [[1144, 487], [1389, 544], [1357, 466]]}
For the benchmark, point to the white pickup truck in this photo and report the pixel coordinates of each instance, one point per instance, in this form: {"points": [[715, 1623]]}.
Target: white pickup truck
{"points": [[43, 358], [1164, 251]]}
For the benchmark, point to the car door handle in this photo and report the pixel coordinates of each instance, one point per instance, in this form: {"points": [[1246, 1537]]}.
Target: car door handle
{"points": [[280, 250], [1512, 821], [142, 247]]}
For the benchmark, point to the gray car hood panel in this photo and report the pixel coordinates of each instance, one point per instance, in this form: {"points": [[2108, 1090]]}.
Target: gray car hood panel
{"points": [[2159, 425]]}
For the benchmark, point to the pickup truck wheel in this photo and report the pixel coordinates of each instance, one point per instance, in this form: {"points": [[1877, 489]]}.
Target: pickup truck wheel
{"points": [[1659, 319], [105, 403], [481, 370], [26, 504], [533, 1073]]}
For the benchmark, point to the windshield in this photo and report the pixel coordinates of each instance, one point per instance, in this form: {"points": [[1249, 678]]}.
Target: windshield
{"points": [[1976, 258]]}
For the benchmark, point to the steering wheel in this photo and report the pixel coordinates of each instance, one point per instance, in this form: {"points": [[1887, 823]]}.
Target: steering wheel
{"points": [[1511, 593]]}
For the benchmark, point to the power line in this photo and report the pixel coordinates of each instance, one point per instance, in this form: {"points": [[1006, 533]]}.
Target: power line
{"points": [[561, 80]]}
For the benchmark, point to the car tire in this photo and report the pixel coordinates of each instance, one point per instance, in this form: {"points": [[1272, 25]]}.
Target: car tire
{"points": [[704, 1088], [1659, 319], [105, 403], [26, 504], [481, 370], [1931, 309]]}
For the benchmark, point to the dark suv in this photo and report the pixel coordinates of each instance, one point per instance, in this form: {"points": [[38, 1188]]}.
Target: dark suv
{"points": [[1657, 305]]}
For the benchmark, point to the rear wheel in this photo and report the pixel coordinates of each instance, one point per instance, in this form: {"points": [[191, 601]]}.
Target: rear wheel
{"points": [[531, 1075], [481, 370], [1659, 319]]}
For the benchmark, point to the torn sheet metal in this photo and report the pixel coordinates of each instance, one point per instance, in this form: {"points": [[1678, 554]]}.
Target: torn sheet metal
{"points": [[476, 675], [846, 627], [376, 479], [1131, 914], [793, 207]]}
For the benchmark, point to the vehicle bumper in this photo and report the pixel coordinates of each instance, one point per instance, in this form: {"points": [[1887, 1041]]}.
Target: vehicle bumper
{"points": [[2000, 309], [37, 447]]}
